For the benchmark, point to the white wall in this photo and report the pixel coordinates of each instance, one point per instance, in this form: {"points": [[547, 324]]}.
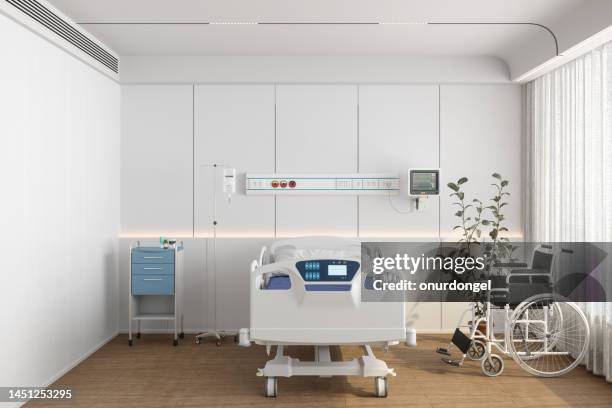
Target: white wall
{"points": [[314, 69], [59, 212], [467, 130]]}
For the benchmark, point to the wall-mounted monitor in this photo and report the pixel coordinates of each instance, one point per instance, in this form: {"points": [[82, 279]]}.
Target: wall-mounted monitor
{"points": [[424, 182]]}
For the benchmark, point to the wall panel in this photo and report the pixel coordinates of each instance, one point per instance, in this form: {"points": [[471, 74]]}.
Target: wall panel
{"points": [[234, 126], [156, 160], [480, 135], [398, 130], [316, 131]]}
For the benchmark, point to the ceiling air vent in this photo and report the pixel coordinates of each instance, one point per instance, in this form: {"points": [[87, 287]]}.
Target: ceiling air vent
{"points": [[53, 22]]}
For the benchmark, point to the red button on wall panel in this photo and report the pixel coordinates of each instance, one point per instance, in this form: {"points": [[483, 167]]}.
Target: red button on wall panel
{"points": [[292, 184], [283, 184], [274, 184]]}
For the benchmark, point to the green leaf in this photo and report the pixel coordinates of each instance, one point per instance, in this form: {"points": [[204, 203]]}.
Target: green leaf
{"points": [[504, 183], [497, 176], [461, 195], [485, 222], [459, 213], [456, 226], [476, 201], [503, 229], [478, 232], [462, 180], [502, 204], [453, 186], [493, 233]]}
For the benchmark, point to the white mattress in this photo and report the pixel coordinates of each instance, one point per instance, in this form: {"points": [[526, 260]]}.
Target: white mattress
{"points": [[315, 247]]}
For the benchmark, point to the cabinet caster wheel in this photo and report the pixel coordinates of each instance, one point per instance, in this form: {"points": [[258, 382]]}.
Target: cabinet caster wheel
{"points": [[381, 387], [137, 335], [492, 365], [182, 336], [218, 343], [271, 387], [197, 340], [175, 342], [130, 343]]}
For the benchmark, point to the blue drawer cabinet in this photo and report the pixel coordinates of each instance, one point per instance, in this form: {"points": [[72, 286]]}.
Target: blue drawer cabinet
{"points": [[155, 271], [152, 269], [144, 255], [153, 284], [148, 261]]}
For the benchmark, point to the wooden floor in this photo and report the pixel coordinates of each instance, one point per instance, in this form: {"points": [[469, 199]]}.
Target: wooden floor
{"points": [[155, 374]]}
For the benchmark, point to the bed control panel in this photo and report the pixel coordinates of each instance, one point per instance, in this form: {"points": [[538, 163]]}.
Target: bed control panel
{"points": [[327, 270]]}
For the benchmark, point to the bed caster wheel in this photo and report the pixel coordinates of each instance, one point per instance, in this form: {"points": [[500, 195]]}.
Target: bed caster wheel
{"points": [[381, 387], [197, 340], [137, 335], [130, 343], [175, 342], [492, 366], [271, 387], [182, 336], [476, 352], [218, 342]]}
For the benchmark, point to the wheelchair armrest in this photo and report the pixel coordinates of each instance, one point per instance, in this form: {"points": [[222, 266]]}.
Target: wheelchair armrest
{"points": [[527, 273], [510, 265]]}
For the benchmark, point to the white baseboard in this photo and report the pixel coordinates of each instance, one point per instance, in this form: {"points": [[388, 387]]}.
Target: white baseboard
{"points": [[75, 363], [166, 331], [197, 331], [79, 360]]}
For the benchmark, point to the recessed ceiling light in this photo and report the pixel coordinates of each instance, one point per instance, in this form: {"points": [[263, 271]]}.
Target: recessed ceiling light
{"points": [[403, 23], [232, 23]]}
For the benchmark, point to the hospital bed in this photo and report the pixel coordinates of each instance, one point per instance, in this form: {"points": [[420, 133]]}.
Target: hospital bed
{"points": [[307, 291]]}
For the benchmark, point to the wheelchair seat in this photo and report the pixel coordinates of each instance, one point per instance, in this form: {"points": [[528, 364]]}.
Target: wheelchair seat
{"points": [[522, 283]]}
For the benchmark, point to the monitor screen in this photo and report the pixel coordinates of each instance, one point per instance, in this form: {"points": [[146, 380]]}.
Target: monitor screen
{"points": [[424, 182], [336, 270]]}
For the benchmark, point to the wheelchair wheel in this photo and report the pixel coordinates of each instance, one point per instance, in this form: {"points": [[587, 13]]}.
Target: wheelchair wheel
{"points": [[547, 335], [536, 349], [492, 365], [476, 351]]}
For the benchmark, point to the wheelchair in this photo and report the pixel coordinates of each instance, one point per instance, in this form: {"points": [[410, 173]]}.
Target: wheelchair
{"points": [[545, 334]]}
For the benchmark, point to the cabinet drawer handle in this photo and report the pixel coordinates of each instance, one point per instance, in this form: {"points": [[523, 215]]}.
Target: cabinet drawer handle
{"points": [[152, 279], [153, 257], [152, 269]]}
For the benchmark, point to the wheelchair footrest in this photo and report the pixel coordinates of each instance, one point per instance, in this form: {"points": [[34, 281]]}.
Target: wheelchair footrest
{"points": [[443, 351], [462, 341], [454, 363]]}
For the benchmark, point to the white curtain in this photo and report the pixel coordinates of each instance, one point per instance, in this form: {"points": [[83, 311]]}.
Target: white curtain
{"points": [[568, 171]]}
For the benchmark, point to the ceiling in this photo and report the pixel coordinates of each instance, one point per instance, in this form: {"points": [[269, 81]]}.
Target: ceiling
{"points": [[134, 27]]}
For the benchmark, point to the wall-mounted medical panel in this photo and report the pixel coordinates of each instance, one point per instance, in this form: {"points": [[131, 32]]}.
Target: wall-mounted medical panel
{"points": [[398, 129], [316, 131], [234, 128], [322, 184]]}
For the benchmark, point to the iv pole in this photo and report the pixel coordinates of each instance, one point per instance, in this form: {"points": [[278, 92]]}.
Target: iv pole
{"points": [[214, 332]]}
